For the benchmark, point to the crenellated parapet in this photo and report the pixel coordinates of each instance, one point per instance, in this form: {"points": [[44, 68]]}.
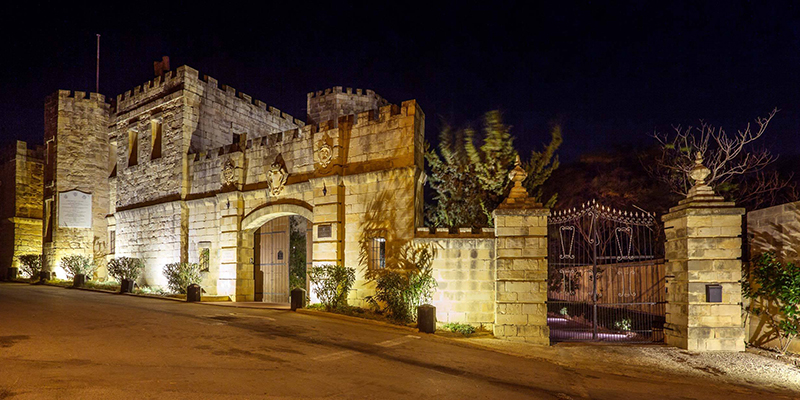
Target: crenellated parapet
{"points": [[178, 80], [329, 104]]}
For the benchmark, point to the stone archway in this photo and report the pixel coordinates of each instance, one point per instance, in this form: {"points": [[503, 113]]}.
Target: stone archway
{"points": [[246, 275], [261, 215]]}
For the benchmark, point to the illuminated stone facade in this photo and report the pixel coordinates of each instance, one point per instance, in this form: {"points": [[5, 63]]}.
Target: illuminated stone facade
{"points": [[21, 204], [182, 168], [181, 163]]}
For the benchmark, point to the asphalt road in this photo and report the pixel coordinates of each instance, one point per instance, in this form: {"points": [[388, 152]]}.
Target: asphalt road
{"points": [[58, 343]]}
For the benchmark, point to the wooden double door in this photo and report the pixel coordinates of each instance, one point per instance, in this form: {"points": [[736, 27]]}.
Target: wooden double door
{"points": [[271, 259]]}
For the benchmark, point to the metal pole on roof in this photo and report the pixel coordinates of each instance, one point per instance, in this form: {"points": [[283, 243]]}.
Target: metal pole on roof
{"points": [[97, 72]]}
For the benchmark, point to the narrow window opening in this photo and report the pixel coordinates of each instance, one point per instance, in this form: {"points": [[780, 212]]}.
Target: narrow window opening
{"points": [[155, 129], [133, 148], [112, 239]]}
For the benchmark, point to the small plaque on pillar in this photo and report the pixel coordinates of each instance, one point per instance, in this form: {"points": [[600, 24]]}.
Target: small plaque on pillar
{"points": [[324, 231]]}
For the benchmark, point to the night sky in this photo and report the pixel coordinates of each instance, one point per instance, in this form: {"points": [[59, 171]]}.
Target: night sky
{"points": [[609, 73]]}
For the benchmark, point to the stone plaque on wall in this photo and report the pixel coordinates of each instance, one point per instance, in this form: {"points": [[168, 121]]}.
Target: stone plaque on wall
{"points": [[74, 209], [324, 231]]}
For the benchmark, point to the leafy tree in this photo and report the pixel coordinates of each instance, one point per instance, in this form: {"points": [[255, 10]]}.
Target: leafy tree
{"points": [[774, 290], [470, 172]]}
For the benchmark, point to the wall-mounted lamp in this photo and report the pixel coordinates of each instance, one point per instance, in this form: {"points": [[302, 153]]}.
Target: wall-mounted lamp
{"points": [[324, 189], [228, 204]]}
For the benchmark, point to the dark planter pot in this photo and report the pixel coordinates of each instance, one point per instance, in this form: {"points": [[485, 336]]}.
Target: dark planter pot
{"points": [[126, 286], [193, 292], [12, 273], [79, 280], [44, 276]]}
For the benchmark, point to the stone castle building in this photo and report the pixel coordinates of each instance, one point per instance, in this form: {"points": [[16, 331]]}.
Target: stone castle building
{"points": [[20, 204], [181, 169]]}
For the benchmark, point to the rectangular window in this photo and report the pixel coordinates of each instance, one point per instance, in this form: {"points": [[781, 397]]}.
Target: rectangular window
{"points": [[204, 258], [155, 130], [378, 253], [133, 148], [112, 239]]}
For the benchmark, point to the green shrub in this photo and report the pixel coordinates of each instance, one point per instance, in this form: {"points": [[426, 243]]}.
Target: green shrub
{"points": [[564, 311], [332, 283], [181, 275], [78, 265], [125, 268], [463, 329], [623, 324], [31, 265], [774, 290], [403, 291]]}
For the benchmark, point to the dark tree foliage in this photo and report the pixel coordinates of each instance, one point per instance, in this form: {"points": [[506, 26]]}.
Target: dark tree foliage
{"points": [[297, 254], [469, 174], [616, 178]]}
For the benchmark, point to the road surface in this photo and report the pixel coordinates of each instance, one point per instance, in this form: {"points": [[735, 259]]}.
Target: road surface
{"points": [[58, 343]]}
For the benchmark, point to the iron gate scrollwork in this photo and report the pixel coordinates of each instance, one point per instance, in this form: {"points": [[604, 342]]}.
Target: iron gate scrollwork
{"points": [[605, 276]]}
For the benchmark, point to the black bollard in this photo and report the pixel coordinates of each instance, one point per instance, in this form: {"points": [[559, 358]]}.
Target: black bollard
{"points": [[193, 292], [426, 318], [298, 298], [79, 280]]}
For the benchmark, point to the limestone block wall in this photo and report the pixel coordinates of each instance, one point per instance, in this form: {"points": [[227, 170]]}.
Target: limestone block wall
{"points": [[464, 270], [219, 112], [21, 175], [150, 179], [203, 228], [376, 204], [331, 103], [153, 234], [776, 229], [76, 138]]}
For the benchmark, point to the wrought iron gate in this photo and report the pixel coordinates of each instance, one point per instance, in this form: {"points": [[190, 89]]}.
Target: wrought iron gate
{"points": [[605, 276]]}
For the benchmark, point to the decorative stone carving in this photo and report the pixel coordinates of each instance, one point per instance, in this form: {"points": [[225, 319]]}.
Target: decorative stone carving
{"points": [[228, 172], [699, 174], [325, 155], [324, 152], [276, 178]]}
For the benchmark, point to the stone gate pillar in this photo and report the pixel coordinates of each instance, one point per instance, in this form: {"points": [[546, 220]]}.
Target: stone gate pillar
{"points": [[703, 250], [521, 280]]}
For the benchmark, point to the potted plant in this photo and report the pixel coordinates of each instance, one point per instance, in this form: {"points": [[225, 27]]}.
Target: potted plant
{"points": [[125, 270], [78, 267], [31, 265], [180, 276]]}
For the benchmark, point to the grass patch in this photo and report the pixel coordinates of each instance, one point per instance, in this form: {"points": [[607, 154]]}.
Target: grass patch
{"points": [[463, 329], [358, 312], [152, 291], [112, 286], [59, 283]]}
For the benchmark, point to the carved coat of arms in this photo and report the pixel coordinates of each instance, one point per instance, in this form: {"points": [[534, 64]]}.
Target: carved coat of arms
{"points": [[324, 155], [228, 172], [276, 178]]}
